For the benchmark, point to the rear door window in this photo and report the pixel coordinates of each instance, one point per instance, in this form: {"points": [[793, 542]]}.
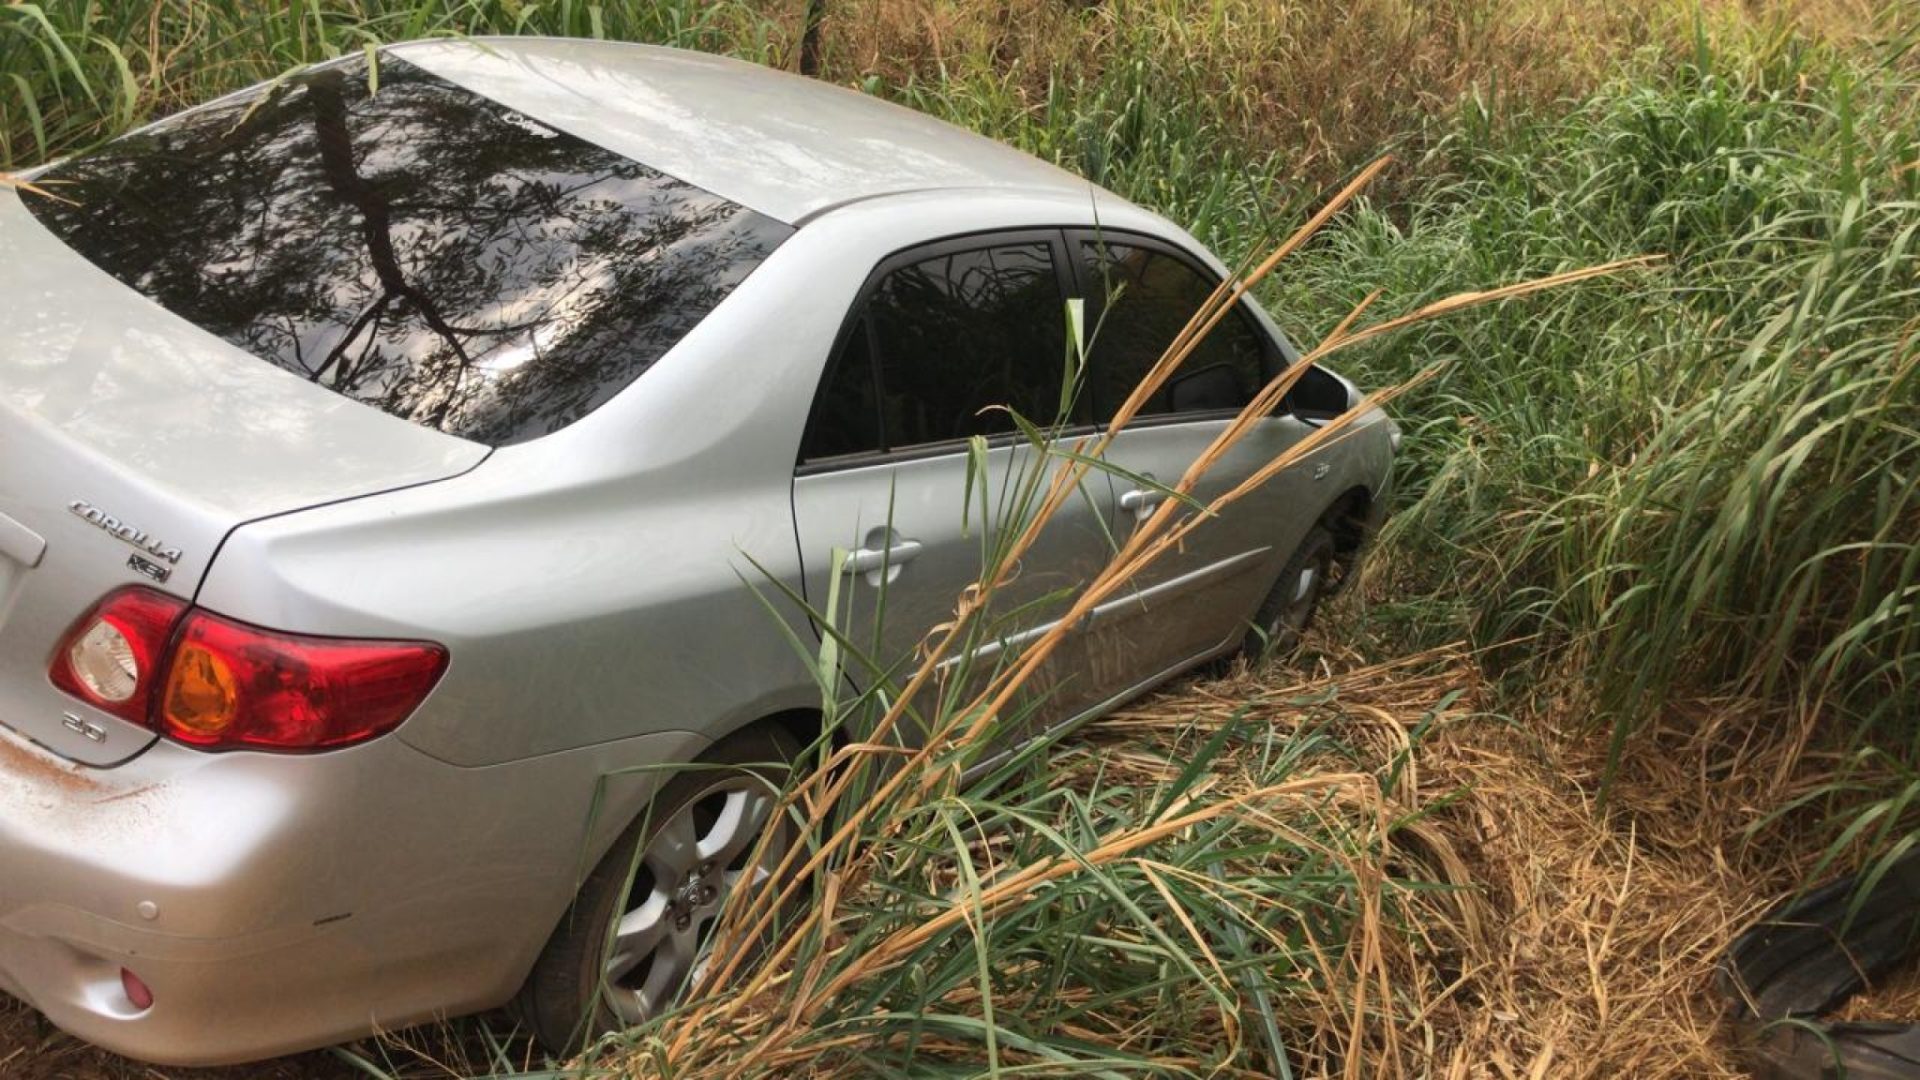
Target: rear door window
{"points": [[411, 245], [946, 341], [1139, 299]]}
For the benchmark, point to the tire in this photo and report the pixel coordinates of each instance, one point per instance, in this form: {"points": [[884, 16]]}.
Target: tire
{"points": [[562, 1002], [1283, 617]]}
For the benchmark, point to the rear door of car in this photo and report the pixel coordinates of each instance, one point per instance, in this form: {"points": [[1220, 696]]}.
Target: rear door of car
{"points": [[1140, 292], [941, 337]]}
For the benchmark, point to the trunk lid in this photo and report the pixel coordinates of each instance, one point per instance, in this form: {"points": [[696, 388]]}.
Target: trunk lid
{"points": [[131, 443]]}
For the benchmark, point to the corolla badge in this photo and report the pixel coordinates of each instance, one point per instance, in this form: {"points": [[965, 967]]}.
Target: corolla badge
{"points": [[126, 533]]}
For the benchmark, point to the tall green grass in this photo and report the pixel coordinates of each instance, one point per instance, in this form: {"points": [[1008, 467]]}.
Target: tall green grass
{"points": [[75, 71], [1703, 486], [1706, 486]]}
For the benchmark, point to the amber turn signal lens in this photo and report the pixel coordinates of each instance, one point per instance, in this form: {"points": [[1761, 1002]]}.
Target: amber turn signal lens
{"points": [[202, 696]]}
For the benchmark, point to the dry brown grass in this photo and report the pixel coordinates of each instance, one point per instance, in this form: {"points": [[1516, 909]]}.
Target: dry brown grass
{"points": [[1326, 83], [1580, 942], [1604, 929]]}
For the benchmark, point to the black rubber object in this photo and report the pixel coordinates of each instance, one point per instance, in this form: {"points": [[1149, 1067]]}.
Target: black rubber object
{"points": [[1805, 958]]}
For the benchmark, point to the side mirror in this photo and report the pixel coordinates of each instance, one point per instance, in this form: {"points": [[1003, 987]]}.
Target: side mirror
{"points": [[1317, 396]]}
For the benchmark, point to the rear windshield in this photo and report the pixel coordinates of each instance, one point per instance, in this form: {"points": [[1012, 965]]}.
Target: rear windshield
{"points": [[411, 245]]}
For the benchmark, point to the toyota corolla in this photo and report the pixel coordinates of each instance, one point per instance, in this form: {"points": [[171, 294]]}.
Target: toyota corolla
{"points": [[382, 451]]}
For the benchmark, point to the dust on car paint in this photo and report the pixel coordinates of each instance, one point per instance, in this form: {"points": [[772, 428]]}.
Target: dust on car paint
{"points": [[22, 761]]}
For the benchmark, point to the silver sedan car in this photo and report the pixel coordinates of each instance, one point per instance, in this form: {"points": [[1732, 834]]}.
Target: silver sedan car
{"points": [[386, 456]]}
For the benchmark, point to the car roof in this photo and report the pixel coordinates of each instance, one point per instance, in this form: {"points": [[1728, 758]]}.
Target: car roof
{"points": [[786, 146]]}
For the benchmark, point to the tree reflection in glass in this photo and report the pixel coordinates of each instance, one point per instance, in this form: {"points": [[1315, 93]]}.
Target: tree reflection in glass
{"points": [[421, 249]]}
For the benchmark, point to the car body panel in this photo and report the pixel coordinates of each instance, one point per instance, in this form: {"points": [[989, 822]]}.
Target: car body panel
{"points": [[608, 608], [1203, 590], [889, 613]]}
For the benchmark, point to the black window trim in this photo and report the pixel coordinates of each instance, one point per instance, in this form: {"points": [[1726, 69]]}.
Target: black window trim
{"points": [[1063, 239]]}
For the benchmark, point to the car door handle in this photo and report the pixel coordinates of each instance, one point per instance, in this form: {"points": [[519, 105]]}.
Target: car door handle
{"points": [[870, 560], [1140, 500]]}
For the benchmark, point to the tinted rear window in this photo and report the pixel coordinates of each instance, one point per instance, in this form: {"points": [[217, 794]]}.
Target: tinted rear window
{"points": [[411, 245]]}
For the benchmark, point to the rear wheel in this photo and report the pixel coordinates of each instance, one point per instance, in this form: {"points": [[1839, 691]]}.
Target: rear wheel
{"points": [[638, 931], [1288, 610]]}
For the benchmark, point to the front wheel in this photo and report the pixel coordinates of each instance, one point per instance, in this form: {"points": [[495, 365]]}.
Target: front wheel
{"points": [[1288, 610], [637, 933]]}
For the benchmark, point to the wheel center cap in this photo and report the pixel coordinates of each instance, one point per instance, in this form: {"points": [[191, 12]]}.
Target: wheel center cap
{"points": [[690, 894]]}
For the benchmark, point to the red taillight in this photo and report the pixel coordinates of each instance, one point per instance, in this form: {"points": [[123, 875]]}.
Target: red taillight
{"points": [[234, 686], [112, 657], [223, 685]]}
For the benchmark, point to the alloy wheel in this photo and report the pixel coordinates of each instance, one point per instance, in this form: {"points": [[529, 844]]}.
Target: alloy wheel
{"points": [[690, 865]]}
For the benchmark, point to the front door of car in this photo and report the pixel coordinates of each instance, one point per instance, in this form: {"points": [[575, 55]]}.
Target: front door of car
{"points": [[1140, 293], [943, 339]]}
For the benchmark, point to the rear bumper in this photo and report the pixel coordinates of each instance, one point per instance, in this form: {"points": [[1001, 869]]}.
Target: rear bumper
{"points": [[220, 1001], [275, 904]]}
